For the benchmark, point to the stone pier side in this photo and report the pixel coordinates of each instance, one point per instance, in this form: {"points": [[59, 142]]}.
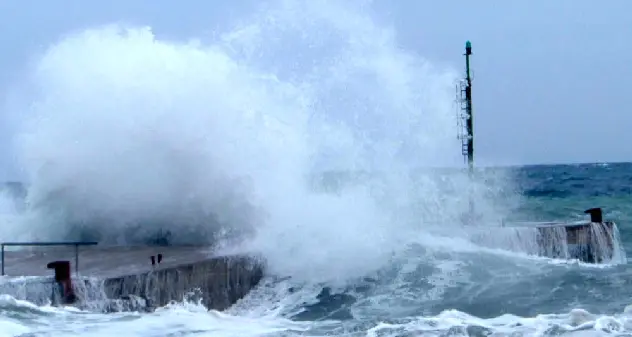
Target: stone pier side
{"points": [[219, 281]]}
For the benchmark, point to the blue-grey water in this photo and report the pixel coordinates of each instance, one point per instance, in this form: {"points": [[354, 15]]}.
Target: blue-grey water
{"points": [[127, 135], [450, 289]]}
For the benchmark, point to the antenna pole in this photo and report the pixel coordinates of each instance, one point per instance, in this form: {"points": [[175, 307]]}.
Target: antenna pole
{"points": [[465, 122], [468, 109], [469, 129]]}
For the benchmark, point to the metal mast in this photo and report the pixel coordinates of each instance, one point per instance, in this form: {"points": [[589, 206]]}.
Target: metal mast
{"points": [[465, 118]]}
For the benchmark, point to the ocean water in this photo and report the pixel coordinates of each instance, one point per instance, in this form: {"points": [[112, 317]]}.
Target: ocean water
{"points": [[305, 133], [434, 286]]}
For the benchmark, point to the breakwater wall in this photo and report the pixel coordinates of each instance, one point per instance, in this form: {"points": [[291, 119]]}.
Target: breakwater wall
{"points": [[219, 282], [129, 278]]}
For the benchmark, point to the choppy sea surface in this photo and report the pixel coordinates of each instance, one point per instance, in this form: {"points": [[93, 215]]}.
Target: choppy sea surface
{"points": [[131, 133], [450, 288]]}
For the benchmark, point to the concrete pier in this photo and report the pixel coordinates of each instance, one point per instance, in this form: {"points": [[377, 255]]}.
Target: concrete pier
{"points": [[592, 241], [221, 281], [153, 275]]}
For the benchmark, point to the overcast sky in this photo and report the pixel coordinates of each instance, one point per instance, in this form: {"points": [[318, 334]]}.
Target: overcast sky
{"points": [[551, 78]]}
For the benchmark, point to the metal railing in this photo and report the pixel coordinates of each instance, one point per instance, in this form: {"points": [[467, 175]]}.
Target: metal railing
{"points": [[48, 244]]}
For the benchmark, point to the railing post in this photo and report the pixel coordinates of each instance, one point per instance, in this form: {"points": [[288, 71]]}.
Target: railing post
{"points": [[3, 245], [77, 259]]}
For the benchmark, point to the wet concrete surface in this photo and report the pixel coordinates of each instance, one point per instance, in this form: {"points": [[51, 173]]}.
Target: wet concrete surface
{"points": [[101, 262], [127, 271]]}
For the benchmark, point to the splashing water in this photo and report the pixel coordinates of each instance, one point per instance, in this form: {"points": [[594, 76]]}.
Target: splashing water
{"points": [[129, 135], [224, 139]]}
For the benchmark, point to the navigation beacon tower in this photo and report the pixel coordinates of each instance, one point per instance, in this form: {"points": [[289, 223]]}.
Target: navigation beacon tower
{"points": [[465, 118]]}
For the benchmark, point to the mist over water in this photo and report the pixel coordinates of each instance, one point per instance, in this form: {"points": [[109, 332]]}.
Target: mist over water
{"points": [[128, 138], [303, 133]]}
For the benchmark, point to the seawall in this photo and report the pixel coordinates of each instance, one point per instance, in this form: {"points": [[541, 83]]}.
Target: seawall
{"points": [[126, 278], [220, 282]]}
